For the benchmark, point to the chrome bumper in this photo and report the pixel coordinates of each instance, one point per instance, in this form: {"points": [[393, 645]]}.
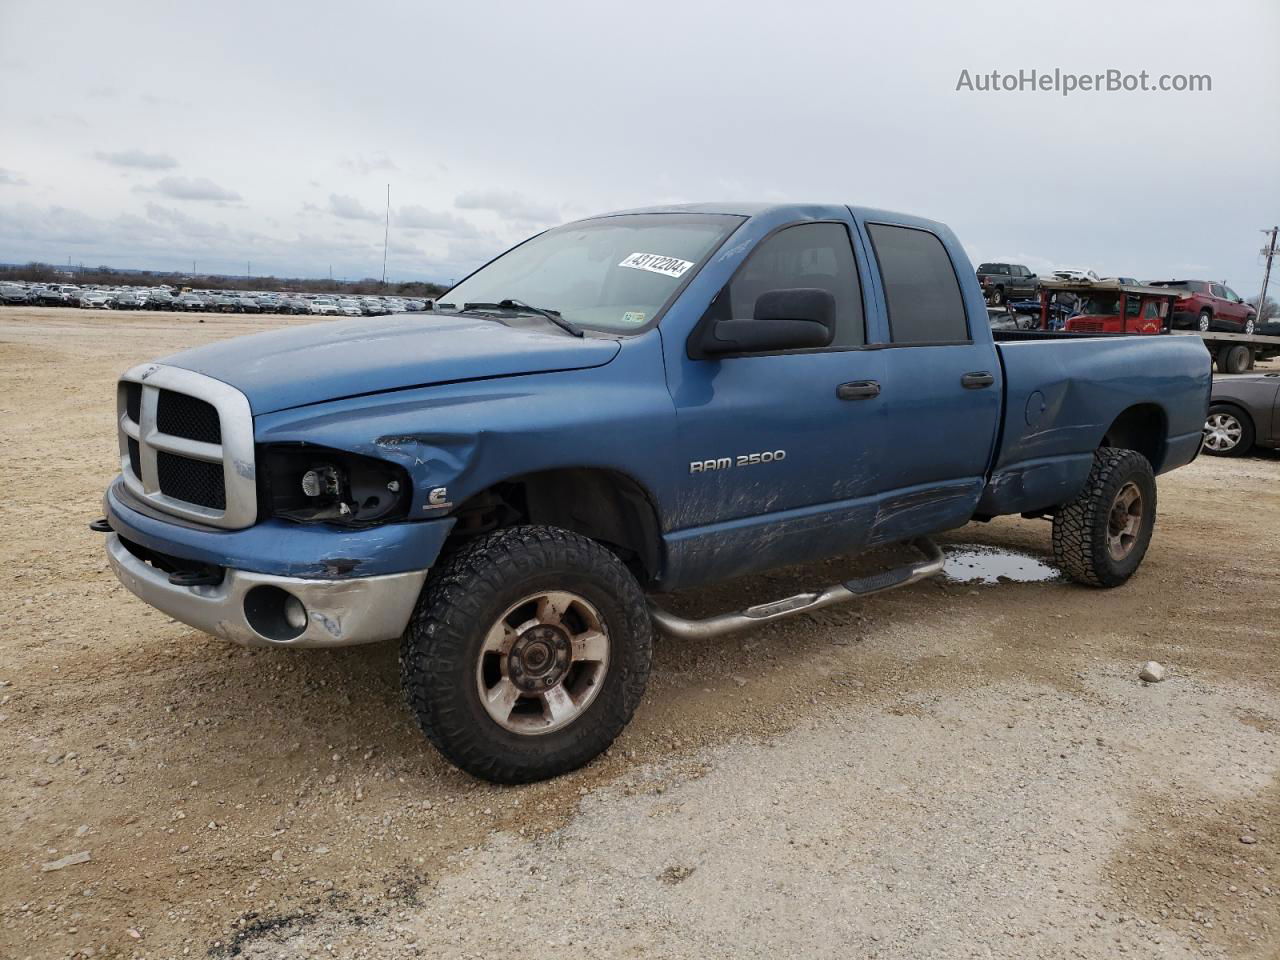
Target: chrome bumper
{"points": [[339, 613]]}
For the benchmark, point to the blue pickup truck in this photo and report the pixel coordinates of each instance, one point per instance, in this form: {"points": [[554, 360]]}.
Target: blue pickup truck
{"points": [[616, 408]]}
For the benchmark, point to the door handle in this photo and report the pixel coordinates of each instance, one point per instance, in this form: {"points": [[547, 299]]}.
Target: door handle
{"points": [[976, 381], [858, 390]]}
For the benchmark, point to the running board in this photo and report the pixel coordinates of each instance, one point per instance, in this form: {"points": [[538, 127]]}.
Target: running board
{"points": [[679, 627]]}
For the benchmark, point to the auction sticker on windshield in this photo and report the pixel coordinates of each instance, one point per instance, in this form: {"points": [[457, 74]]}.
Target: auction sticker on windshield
{"points": [[667, 266]]}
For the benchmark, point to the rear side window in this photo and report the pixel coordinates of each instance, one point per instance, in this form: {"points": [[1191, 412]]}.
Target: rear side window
{"points": [[806, 255], [920, 286]]}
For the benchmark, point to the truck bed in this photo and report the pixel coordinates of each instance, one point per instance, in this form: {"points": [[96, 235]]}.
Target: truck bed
{"points": [[1065, 394]]}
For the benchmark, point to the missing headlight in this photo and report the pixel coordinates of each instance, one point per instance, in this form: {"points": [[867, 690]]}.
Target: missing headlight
{"points": [[314, 484]]}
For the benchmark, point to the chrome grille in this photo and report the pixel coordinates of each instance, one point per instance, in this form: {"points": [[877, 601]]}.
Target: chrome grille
{"points": [[186, 445]]}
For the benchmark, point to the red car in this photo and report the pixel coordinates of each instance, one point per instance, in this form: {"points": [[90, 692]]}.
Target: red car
{"points": [[1205, 305]]}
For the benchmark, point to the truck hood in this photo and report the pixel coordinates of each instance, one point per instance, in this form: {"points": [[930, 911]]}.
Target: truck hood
{"points": [[344, 358]]}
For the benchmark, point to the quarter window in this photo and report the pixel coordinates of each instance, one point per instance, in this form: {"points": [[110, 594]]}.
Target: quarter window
{"points": [[920, 286], [807, 255]]}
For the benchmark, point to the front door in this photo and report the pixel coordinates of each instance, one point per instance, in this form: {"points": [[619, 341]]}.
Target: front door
{"points": [[782, 451]]}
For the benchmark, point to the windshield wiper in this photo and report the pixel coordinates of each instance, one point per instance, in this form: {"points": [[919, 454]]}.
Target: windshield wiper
{"points": [[517, 305]]}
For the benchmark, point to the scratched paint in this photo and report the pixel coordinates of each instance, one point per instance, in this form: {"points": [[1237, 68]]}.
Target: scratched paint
{"points": [[972, 563]]}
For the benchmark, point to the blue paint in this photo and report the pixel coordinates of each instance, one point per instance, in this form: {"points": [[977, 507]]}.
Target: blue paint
{"points": [[465, 404], [312, 552]]}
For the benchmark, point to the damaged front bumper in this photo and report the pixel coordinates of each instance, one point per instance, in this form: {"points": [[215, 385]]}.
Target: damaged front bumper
{"points": [[274, 583], [265, 610]]}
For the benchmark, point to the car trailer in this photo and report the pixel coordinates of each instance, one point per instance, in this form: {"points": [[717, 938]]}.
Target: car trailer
{"points": [[1235, 352], [1095, 308]]}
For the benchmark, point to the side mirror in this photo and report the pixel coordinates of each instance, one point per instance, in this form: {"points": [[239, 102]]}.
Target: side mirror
{"points": [[794, 319]]}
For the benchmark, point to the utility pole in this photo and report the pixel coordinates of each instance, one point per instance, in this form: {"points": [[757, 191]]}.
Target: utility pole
{"points": [[1269, 251], [248, 269], [386, 236]]}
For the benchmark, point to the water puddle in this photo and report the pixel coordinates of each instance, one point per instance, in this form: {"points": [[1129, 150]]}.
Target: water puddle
{"points": [[971, 563]]}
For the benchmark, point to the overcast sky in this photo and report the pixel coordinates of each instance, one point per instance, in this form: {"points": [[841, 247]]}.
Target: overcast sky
{"points": [[156, 134]]}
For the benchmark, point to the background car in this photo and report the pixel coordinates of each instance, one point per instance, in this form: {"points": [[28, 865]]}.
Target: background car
{"points": [[1076, 273], [349, 308], [323, 306], [191, 302], [13, 295], [1006, 281], [1244, 412], [1205, 305], [96, 300], [127, 300]]}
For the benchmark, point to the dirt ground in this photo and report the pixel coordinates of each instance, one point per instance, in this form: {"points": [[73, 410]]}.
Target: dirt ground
{"points": [[952, 770]]}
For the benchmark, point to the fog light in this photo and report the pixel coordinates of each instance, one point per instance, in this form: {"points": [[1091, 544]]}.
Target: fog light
{"points": [[295, 614]]}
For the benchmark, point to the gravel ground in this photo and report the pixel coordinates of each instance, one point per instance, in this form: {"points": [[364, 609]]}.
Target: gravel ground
{"points": [[951, 770]]}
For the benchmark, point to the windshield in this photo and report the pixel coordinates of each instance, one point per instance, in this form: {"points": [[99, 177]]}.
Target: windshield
{"points": [[613, 274]]}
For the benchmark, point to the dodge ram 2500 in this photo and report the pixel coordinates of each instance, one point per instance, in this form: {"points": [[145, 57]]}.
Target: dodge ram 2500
{"points": [[626, 405]]}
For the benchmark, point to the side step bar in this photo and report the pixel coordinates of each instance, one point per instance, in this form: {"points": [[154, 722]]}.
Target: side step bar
{"points": [[683, 629]]}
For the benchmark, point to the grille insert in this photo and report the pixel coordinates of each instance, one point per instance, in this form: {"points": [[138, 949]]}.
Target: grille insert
{"points": [[135, 458], [180, 415], [191, 480], [133, 401]]}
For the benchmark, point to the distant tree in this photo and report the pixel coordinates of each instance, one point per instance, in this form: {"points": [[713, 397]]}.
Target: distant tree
{"points": [[1269, 309]]}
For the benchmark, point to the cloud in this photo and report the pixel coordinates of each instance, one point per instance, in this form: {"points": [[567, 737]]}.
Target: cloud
{"points": [[10, 179], [420, 218], [349, 208], [508, 205], [370, 164], [138, 158], [192, 188]]}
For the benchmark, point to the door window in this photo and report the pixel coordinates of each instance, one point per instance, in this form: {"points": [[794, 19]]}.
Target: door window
{"points": [[806, 255], [1218, 290], [920, 286]]}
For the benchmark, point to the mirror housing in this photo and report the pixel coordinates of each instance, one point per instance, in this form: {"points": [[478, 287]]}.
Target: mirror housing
{"points": [[792, 319]]}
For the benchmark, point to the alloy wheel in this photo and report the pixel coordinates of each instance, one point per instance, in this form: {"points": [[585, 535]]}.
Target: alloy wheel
{"points": [[543, 662]]}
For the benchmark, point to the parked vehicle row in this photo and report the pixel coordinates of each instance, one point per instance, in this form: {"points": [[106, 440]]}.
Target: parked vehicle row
{"points": [[204, 301]]}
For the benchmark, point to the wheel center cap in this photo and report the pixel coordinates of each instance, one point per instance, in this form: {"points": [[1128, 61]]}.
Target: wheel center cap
{"points": [[539, 658]]}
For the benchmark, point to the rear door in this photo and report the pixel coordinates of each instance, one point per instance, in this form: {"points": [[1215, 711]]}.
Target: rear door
{"points": [[1223, 309], [941, 389]]}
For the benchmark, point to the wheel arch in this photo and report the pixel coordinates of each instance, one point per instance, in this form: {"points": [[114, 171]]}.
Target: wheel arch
{"points": [[603, 504], [1144, 428]]}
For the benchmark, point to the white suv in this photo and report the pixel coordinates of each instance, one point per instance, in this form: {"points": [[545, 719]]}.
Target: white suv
{"points": [[323, 306]]}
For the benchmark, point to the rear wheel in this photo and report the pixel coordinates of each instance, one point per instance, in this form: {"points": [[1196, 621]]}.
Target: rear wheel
{"points": [[1236, 358], [527, 655], [1205, 321], [1227, 433], [1101, 536]]}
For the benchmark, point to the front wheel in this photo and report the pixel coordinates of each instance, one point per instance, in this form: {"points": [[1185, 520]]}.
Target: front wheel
{"points": [[1101, 536], [1226, 432], [527, 654]]}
